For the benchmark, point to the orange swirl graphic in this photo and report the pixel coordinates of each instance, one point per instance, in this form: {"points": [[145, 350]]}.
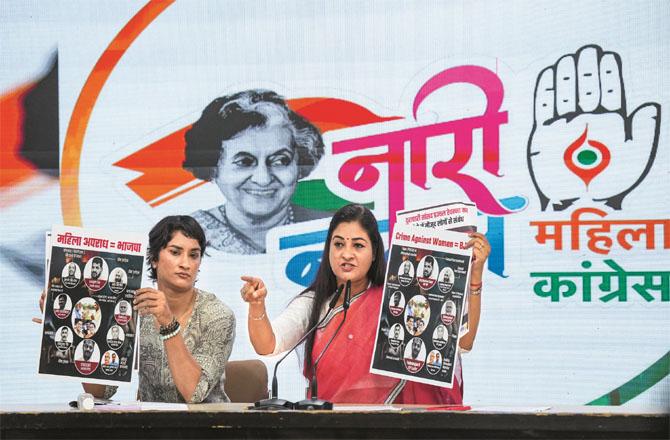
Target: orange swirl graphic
{"points": [[76, 130]]}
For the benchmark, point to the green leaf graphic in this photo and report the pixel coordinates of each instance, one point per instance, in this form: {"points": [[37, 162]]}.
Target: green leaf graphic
{"points": [[637, 385], [314, 194]]}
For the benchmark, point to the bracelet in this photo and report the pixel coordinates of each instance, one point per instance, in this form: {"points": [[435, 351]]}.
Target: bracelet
{"points": [[476, 292], [165, 330], [475, 285], [170, 335], [260, 318]]}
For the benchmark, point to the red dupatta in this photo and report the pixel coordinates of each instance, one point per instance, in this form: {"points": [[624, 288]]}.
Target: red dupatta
{"points": [[343, 372]]}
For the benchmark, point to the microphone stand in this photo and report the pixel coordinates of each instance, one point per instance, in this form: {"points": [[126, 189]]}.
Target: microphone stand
{"points": [[314, 402], [274, 403]]}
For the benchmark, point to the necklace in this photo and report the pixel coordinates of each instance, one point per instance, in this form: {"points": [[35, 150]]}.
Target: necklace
{"points": [[189, 308], [228, 236], [290, 218]]}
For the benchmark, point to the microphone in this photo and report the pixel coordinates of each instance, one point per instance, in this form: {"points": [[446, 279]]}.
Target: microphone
{"points": [[314, 402], [274, 403], [347, 296], [333, 301]]}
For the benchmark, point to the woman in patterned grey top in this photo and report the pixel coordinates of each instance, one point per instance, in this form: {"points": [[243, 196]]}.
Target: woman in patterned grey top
{"points": [[182, 362], [208, 336]]}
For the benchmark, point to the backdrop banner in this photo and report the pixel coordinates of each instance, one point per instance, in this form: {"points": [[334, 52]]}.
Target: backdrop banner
{"points": [[547, 116]]}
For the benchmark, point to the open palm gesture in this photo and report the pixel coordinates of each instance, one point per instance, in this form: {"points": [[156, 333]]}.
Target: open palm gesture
{"points": [[584, 144]]}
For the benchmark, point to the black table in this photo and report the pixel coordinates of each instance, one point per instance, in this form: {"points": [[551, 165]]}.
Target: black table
{"points": [[415, 422]]}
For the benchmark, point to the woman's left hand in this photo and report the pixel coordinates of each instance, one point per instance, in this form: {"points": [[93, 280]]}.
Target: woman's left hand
{"points": [[150, 301], [480, 251]]}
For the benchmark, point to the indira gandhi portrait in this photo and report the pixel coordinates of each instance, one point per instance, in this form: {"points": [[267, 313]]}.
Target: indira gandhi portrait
{"points": [[255, 149]]}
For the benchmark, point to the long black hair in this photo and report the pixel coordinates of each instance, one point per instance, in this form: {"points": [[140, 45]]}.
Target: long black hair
{"points": [[325, 284]]}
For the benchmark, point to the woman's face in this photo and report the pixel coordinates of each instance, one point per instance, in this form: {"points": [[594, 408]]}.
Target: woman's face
{"points": [[178, 263], [351, 255], [258, 171]]}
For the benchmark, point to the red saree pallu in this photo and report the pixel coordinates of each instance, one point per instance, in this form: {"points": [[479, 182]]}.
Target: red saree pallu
{"points": [[343, 372]]}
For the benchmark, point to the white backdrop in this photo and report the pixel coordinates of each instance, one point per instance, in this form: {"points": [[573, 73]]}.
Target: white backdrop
{"points": [[529, 350]]}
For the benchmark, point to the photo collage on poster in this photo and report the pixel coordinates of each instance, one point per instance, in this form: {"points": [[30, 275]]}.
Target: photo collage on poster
{"points": [[90, 327], [422, 310], [452, 216]]}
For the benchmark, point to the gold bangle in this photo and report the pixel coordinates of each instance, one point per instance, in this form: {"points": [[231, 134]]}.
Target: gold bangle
{"points": [[260, 318]]}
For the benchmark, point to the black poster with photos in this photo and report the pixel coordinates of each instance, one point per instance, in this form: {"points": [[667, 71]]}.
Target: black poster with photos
{"points": [[422, 309], [456, 216], [89, 328]]}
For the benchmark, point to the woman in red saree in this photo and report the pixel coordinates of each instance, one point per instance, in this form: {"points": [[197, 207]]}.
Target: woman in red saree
{"points": [[353, 252]]}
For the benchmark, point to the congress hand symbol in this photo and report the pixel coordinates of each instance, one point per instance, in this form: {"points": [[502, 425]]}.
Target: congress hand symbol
{"points": [[584, 144]]}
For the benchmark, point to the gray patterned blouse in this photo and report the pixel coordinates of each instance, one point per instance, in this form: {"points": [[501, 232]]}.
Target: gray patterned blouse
{"points": [[209, 336]]}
